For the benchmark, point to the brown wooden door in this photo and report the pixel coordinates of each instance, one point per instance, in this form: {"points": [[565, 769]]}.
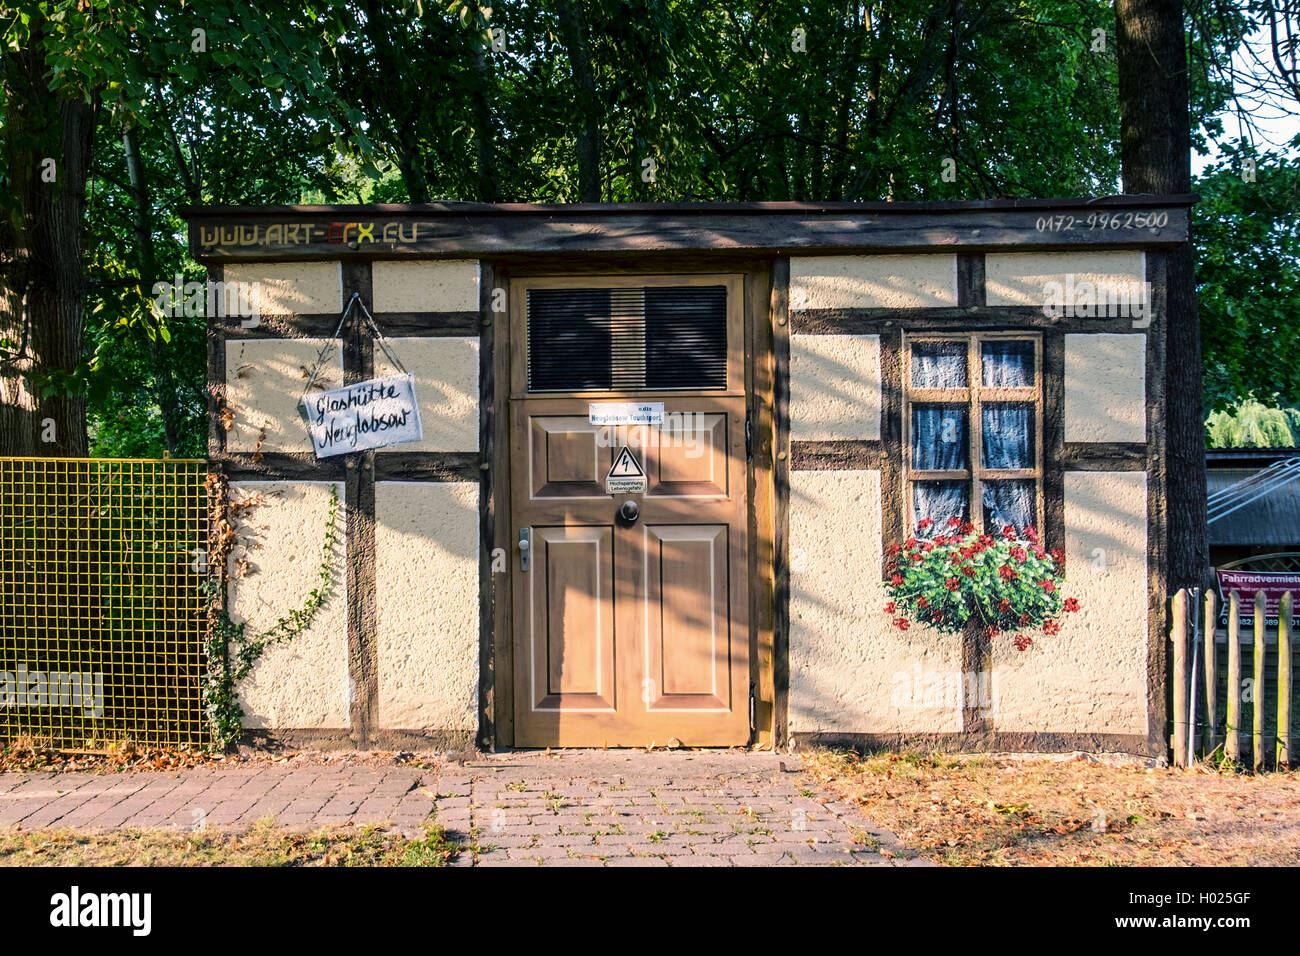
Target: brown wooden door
{"points": [[631, 634]]}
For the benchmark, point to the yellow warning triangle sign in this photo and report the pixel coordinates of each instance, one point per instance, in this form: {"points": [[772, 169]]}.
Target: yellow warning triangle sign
{"points": [[626, 466]]}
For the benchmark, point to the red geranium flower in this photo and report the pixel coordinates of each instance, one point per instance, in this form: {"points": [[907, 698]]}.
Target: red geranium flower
{"points": [[1007, 573], [1051, 627], [891, 608], [922, 602], [895, 547], [925, 523], [1009, 532], [917, 556], [1024, 619], [990, 632], [1058, 555], [901, 623], [1020, 554], [1004, 605], [967, 527], [896, 580], [1047, 586], [952, 584], [954, 522], [1023, 642], [909, 543], [1072, 604], [937, 615], [1031, 533], [968, 570]]}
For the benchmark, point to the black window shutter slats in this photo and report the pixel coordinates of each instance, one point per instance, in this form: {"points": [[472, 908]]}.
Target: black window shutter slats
{"points": [[660, 337]]}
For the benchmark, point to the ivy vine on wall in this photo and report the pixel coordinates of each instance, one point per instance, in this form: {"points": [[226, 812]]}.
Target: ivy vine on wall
{"points": [[233, 648]]}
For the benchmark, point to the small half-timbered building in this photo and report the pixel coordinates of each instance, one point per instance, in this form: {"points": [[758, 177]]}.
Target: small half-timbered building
{"points": [[797, 385]]}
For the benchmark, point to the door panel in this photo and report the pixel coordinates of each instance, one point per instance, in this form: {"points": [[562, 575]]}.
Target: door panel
{"points": [[688, 456], [631, 633], [688, 656], [565, 459], [572, 626]]}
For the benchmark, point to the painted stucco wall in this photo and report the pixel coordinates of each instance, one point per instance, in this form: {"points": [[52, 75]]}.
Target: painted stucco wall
{"points": [[265, 379], [302, 683], [1020, 278], [291, 288], [441, 286], [446, 385], [1105, 388], [427, 596], [850, 669], [1092, 676], [834, 387], [873, 282]]}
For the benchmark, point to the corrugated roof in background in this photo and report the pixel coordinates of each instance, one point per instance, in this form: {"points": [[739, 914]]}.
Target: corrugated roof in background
{"points": [[1272, 520]]}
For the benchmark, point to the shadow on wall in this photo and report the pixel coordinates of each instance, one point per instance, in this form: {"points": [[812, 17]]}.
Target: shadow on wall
{"points": [[243, 562], [932, 282], [853, 671], [426, 608]]}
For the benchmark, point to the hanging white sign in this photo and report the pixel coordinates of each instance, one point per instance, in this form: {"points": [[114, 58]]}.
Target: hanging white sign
{"points": [[625, 413], [371, 414]]}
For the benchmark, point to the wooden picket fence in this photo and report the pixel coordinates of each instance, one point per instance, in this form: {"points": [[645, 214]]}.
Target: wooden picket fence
{"points": [[1246, 715]]}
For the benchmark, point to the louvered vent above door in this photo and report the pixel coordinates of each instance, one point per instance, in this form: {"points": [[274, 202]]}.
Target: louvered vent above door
{"points": [[657, 337]]}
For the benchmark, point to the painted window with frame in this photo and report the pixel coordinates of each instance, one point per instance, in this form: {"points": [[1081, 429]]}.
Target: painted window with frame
{"points": [[972, 430]]}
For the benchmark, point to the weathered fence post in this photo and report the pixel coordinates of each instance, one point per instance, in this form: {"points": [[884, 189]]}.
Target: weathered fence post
{"points": [[1211, 676], [1232, 707], [1257, 707], [1284, 680], [1178, 634]]}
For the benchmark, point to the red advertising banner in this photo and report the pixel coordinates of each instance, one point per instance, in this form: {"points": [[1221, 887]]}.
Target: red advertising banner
{"points": [[1245, 583]]}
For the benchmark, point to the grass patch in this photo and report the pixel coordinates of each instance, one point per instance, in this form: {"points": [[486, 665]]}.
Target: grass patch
{"points": [[264, 844]]}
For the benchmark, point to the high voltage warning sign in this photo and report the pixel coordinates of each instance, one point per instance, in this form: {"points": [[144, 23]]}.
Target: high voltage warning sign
{"points": [[625, 476]]}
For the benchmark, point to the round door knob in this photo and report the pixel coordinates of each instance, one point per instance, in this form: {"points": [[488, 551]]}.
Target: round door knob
{"points": [[628, 512]]}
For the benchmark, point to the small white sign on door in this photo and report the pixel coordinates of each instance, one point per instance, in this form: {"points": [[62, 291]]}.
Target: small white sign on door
{"points": [[625, 413], [625, 476], [370, 414]]}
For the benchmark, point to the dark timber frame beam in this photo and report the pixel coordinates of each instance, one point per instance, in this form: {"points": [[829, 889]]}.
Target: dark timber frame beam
{"points": [[472, 230]]}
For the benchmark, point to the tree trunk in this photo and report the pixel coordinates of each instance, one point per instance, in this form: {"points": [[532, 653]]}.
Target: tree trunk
{"points": [[43, 250], [57, 295], [1155, 138], [489, 184], [17, 402], [164, 379], [573, 29]]}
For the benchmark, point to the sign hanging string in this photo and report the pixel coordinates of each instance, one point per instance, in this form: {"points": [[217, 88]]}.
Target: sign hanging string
{"points": [[353, 303]]}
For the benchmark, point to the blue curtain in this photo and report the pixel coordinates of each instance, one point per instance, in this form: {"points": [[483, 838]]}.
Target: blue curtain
{"points": [[939, 365], [1007, 364], [1007, 436], [939, 439], [939, 501], [1008, 503]]}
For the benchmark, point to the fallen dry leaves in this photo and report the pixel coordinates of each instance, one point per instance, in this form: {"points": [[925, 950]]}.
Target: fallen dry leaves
{"points": [[966, 811], [23, 755]]}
